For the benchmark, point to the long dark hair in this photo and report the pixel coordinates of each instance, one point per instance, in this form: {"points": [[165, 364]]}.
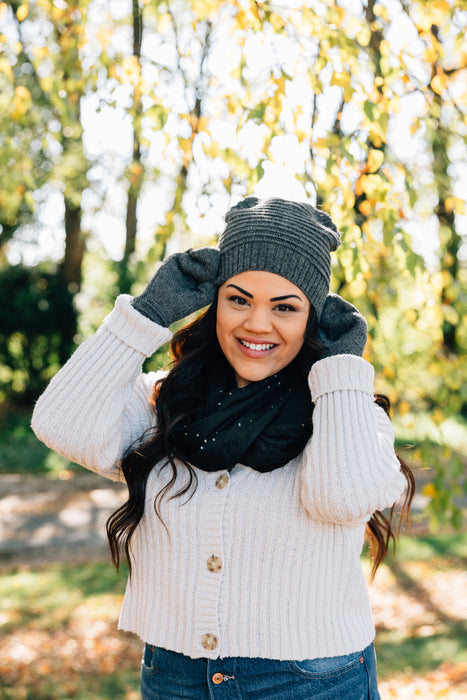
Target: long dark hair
{"points": [[195, 349], [380, 528]]}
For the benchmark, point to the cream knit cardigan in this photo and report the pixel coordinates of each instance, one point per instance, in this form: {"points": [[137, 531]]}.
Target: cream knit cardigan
{"points": [[287, 581]]}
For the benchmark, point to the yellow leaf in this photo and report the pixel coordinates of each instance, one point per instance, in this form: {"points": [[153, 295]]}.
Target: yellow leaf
{"points": [[429, 490], [185, 145], [404, 407], [165, 23], [431, 54], [46, 83], [442, 5], [455, 203], [340, 79], [438, 83], [298, 111], [22, 100], [5, 68], [276, 21], [450, 314], [104, 36], [363, 37], [388, 372], [375, 160], [359, 187], [381, 11], [410, 315], [213, 150], [136, 171], [349, 199], [22, 12], [202, 124], [365, 207], [40, 52], [357, 287], [384, 48], [438, 416], [131, 70], [321, 142]]}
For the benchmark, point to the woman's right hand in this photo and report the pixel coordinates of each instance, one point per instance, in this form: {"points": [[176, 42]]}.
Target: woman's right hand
{"points": [[183, 284]]}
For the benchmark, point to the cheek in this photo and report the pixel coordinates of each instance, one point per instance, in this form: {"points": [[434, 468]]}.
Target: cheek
{"points": [[223, 326], [296, 338]]}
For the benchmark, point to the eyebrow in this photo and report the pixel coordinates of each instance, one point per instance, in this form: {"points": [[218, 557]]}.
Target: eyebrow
{"points": [[287, 296], [247, 294]]}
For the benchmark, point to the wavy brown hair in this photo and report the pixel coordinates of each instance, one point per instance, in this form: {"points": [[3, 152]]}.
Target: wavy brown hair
{"points": [[195, 349], [380, 529]]}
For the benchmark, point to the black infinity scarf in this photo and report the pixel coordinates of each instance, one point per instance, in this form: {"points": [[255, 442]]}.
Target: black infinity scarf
{"points": [[263, 425]]}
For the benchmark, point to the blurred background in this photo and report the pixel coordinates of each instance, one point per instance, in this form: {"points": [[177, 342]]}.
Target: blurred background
{"points": [[127, 129]]}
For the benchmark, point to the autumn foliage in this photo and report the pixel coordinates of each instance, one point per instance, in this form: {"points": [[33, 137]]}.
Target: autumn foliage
{"points": [[360, 107]]}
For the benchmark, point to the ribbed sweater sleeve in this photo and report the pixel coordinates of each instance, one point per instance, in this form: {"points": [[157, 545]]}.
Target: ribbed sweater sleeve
{"points": [[97, 405], [349, 468]]}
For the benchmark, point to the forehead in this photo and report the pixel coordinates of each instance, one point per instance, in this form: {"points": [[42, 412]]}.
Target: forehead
{"points": [[259, 281]]}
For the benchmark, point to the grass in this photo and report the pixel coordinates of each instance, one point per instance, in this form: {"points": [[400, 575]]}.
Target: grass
{"points": [[58, 623], [59, 639], [425, 573], [22, 453], [58, 635]]}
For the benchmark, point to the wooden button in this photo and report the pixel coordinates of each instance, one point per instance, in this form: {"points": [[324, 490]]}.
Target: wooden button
{"points": [[217, 678], [222, 481], [214, 563], [209, 641]]}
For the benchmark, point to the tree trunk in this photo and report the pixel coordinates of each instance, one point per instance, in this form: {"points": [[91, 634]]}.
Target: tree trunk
{"points": [[450, 241], [136, 169], [74, 249]]}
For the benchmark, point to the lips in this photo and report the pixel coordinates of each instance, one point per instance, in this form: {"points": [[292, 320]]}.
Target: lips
{"points": [[255, 349], [257, 346]]}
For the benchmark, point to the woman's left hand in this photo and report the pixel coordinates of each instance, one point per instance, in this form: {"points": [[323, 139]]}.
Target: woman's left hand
{"points": [[342, 328]]}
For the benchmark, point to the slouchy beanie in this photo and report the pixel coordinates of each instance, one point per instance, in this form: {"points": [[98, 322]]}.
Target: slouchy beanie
{"points": [[291, 239]]}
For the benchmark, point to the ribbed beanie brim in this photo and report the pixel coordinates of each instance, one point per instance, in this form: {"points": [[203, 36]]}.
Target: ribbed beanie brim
{"points": [[291, 239]]}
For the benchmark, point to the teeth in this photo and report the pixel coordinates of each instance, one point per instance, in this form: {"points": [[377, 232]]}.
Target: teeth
{"points": [[257, 346]]}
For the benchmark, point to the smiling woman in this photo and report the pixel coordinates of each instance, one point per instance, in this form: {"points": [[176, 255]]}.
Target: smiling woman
{"points": [[261, 323], [250, 585]]}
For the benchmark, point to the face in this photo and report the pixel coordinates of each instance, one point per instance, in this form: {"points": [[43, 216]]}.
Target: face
{"points": [[261, 322]]}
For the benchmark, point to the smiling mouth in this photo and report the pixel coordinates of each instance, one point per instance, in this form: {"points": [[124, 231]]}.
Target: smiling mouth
{"points": [[258, 347]]}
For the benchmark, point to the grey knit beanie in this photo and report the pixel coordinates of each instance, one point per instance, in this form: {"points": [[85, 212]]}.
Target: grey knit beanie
{"points": [[291, 239]]}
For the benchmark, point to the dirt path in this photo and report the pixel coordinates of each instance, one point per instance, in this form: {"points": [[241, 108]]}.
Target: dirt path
{"points": [[47, 520]]}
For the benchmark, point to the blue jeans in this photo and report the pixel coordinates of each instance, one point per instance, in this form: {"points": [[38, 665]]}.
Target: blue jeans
{"points": [[168, 675]]}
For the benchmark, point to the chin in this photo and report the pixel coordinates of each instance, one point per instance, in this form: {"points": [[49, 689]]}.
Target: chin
{"points": [[253, 375]]}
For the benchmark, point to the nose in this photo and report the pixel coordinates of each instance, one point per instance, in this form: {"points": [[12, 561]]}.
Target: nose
{"points": [[258, 320]]}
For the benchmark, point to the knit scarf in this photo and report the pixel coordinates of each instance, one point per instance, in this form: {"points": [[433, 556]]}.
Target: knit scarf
{"points": [[262, 425]]}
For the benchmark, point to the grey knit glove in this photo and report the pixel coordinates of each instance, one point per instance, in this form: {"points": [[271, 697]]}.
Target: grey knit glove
{"points": [[183, 284], [342, 328]]}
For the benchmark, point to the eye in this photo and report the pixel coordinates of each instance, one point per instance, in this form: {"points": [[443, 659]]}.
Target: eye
{"points": [[284, 308], [237, 300]]}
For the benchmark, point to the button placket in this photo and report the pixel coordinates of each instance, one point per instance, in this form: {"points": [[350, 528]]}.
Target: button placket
{"points": [[211, 562]]}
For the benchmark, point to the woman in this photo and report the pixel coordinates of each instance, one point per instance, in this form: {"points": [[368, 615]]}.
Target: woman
{"points": [[253, 466]]}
